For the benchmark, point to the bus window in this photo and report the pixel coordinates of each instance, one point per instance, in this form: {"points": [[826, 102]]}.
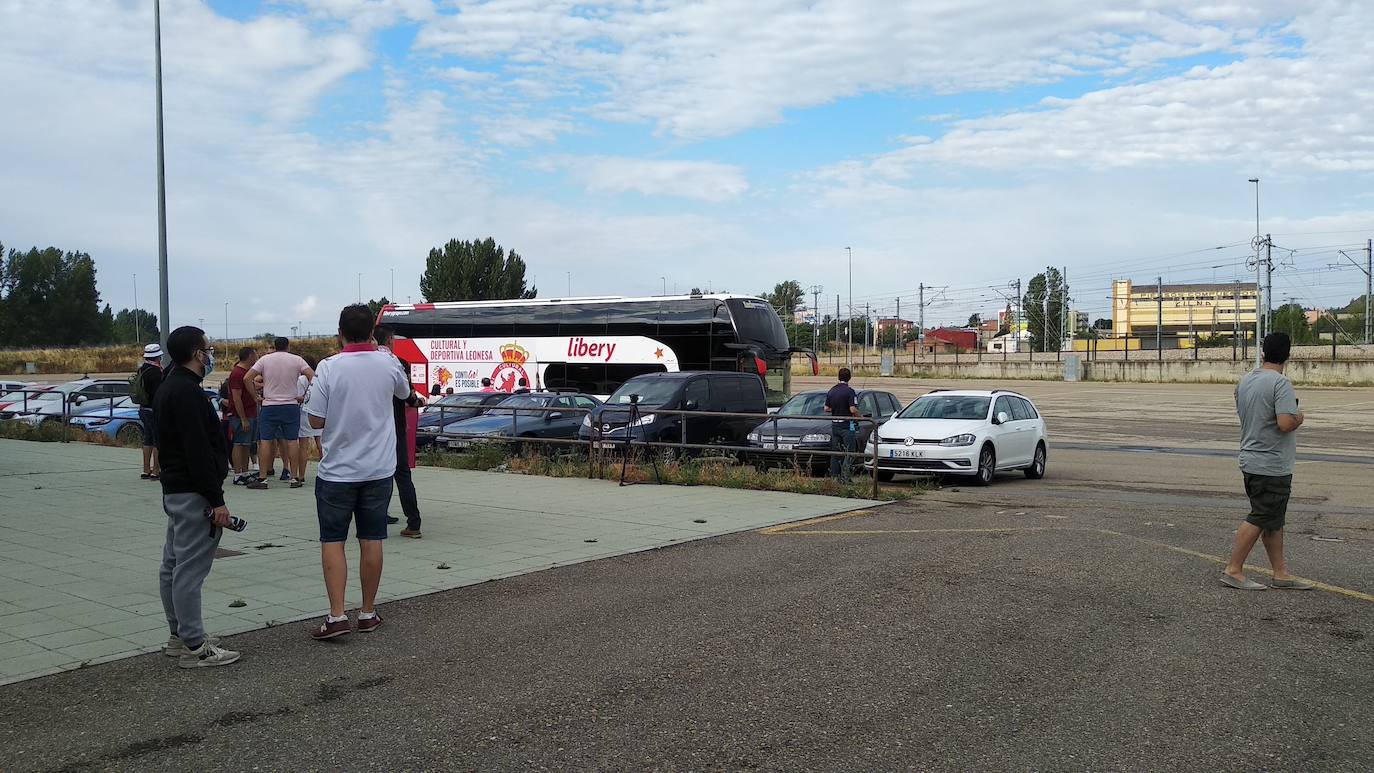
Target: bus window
{"points": [[594, 379]]}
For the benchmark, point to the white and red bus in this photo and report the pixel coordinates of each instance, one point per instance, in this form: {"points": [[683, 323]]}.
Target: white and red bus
{"points": [[592, 345]]}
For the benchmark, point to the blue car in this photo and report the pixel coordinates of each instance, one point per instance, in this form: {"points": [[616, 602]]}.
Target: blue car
{"points": [[123, 425]]}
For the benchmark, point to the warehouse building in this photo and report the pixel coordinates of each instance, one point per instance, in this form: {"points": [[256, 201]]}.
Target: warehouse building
{"points": [[1182, 312]]}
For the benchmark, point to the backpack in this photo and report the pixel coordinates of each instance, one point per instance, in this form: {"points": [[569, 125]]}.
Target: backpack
{"points": [[137, 393]]}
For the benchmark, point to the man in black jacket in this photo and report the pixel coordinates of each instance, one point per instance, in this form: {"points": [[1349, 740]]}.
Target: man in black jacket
{"points": [[405, 483], [195, 459]]}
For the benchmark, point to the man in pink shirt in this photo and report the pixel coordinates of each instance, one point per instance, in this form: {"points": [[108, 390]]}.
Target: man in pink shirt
{"points": [[279, 420]]}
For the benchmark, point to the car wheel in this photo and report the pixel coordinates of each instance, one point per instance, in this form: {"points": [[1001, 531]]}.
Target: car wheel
{"points": [[987, 466], [130, 435], [1037, 469]]}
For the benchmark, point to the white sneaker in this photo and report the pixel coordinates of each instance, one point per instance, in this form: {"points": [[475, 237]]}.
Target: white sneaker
{"points": [[175, 646], [206, 656]]}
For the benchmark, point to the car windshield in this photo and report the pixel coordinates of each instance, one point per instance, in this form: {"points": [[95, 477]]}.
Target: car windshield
{"points": [[651, 391], [947, 407], [455, 401], [520, 401], [809, 404], [18, 397], [71, 386]]}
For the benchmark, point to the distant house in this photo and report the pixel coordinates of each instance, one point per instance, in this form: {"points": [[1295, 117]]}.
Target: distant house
{"points": [[947, 340], [903, 326], [1010, 343]]}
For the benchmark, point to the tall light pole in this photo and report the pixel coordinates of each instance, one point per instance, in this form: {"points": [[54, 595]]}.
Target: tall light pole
{"points": [[849, 324], [1261, 303], [138, 332], [665, 284], [360, 287], [226, 320], [392, 297], [162, 305]]}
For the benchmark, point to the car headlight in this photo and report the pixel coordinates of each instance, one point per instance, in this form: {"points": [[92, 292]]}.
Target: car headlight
{"points": [[753, 437], [959, 440], [816, 437], [642, 421], [587, 420], [97, 422], [427, 429]]}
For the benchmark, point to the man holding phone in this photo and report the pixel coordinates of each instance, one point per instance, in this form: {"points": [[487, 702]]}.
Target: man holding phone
{"points": [[195, 460], [1269, 419]]}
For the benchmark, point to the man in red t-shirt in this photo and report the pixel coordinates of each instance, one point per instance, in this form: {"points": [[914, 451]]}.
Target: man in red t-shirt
{"points": [[243, 411]]}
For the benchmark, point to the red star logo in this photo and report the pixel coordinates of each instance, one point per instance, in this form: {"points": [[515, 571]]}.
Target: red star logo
{"points": [[658, 353]]}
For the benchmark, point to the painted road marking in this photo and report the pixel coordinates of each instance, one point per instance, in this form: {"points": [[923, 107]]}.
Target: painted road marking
{"points": [[790, 530]]}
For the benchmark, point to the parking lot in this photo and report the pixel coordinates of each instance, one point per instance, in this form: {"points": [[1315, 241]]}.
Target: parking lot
{"points": [[1069, 623]]}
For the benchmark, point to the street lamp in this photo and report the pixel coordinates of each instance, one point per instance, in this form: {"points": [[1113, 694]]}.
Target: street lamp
{"points": [[226, 320], [665, 284], [360, 287], [166, 320]]}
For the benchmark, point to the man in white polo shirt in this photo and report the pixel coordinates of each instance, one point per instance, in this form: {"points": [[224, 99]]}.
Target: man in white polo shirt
{"points": [[350, 400]]}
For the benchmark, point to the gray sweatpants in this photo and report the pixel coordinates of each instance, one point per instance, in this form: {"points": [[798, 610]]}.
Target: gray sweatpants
{"points": [[186, 559]]}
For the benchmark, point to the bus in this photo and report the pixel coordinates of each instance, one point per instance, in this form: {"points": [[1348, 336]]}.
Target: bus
{"points": [[590, 345]]}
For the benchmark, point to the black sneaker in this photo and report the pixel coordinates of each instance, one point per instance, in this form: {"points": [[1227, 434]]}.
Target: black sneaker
{"points": [[285, 475], [256, 483], [392, 519]]}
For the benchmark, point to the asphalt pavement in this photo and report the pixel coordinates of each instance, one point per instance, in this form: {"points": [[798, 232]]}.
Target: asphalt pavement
{"points": [[1052, 625]]}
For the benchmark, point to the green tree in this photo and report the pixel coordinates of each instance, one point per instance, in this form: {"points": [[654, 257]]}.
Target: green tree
{"points": [[1043, 309], [695, 291], [375, 305], [786, 297], [975, 320], [474, 271], [133, 325], [50, 298], [1291, 318]]}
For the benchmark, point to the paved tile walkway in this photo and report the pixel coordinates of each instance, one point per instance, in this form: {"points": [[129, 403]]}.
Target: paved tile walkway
{"points": [[81, 537]]}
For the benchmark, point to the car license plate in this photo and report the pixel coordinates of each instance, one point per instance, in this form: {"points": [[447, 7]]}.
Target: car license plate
{"points": [[781, 446], [607, 445], [906, 453], [459, 444]]}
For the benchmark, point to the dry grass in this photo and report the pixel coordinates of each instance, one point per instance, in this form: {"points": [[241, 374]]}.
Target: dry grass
{"points": [[717, 472], [51, 432], [123, 359]]}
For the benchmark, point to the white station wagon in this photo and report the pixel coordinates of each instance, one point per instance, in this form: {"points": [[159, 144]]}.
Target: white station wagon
{"points": [[973, 432]]}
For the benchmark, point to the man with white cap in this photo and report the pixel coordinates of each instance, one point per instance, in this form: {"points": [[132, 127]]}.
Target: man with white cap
{"points": [[150, 378]]}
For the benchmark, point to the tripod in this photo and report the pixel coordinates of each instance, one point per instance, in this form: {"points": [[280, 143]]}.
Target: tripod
{"points": [[629, 444]]}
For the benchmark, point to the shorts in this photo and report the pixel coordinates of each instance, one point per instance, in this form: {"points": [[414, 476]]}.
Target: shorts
{"points": [[145, 415], [1268, 500], [279, 422], [366, 503], [241, 435]]}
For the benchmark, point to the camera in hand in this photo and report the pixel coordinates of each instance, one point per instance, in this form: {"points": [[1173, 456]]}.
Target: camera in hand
{"points": [[235, 523]]}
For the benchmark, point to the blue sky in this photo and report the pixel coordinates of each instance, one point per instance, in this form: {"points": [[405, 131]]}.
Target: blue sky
{"points": [[716, 143]]}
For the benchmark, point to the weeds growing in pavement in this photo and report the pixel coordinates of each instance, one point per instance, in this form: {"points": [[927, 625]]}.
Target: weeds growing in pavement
{"points": [[703, 471]]}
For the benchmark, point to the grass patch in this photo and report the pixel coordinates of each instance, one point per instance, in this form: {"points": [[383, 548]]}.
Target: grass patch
{"points": [[124, 358], [717, 472], [51, 432]]}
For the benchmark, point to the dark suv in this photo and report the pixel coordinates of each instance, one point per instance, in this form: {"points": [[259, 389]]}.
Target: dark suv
{"points": [[706, 391]]}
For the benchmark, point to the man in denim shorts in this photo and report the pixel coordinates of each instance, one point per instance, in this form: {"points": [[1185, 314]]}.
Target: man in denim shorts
{"points": [[279, 420], [350, 400]]}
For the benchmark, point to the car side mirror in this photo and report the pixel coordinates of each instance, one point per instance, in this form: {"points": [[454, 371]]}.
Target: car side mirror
{"points": [[552, 416], [1002, 418], [79, 399], [691, 405]]}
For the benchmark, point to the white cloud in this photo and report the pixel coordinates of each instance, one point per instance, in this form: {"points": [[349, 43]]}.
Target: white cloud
{"points": [[709, 69], [700, 180], [307, 307]]}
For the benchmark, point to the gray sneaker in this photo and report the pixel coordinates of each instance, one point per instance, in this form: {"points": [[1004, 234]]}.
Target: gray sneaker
{"points": [[175, 646], [206, 656]]}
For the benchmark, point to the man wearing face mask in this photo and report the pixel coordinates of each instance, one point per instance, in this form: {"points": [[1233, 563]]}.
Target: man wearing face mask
{"points": [[195, 459]]}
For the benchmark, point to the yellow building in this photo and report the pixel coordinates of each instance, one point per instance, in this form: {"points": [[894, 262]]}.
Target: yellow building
{"points": [[1205, 309]]}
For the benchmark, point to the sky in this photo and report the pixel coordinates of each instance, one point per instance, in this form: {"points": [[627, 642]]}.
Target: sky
{"points": [[633, 146]]}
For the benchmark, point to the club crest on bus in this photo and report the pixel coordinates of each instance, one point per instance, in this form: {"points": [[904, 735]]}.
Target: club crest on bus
{"points": [[507, 375]]}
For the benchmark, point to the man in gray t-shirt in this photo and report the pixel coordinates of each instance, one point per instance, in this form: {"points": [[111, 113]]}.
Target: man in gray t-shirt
{"points": [[1269, 417]]}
